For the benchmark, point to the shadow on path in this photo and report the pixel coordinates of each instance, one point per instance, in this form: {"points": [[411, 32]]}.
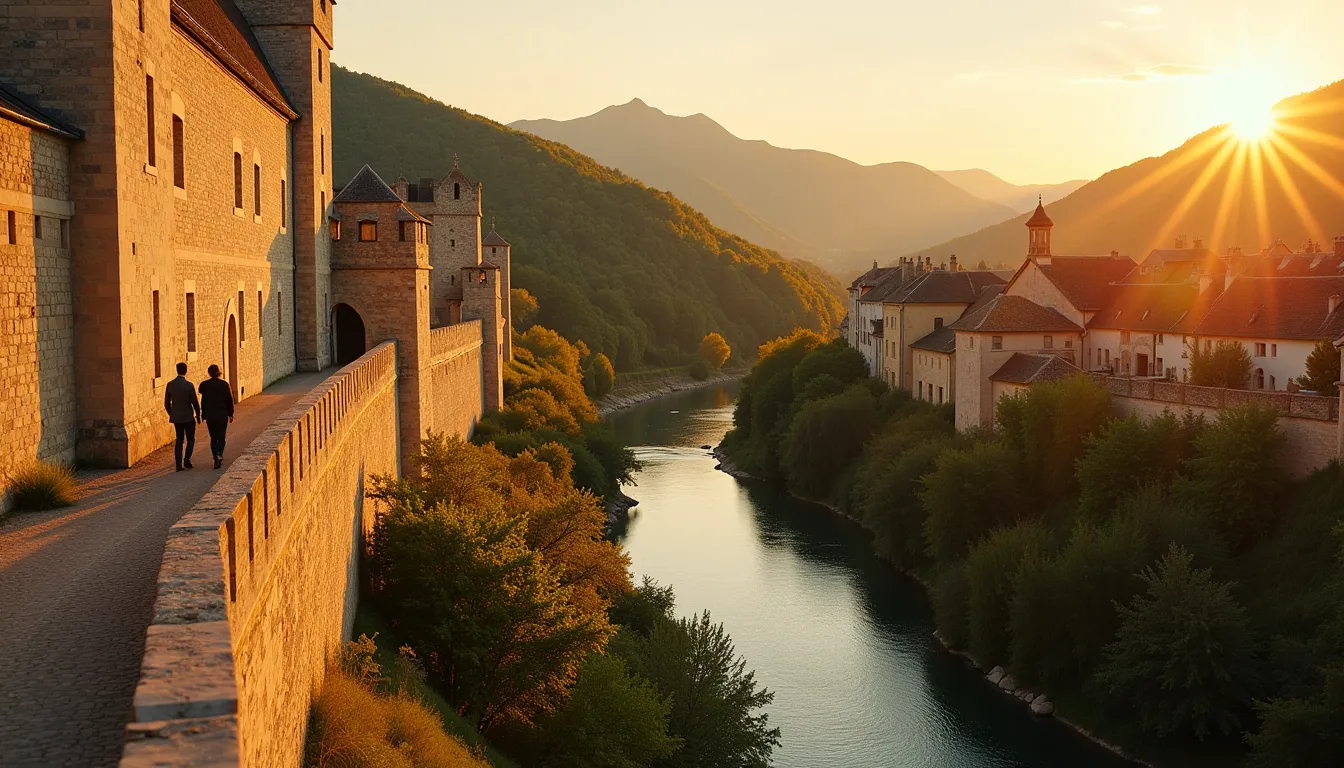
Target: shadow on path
{"points": [[77, 590]]}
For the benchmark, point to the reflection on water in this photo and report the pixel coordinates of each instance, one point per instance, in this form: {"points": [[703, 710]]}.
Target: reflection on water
{"points": [[844, 641]]}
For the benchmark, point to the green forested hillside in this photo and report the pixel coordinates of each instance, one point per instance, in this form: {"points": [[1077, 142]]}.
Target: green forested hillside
{"points": [[631, 271]]}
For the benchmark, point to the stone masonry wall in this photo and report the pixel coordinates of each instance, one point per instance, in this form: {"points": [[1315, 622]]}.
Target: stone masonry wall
{"points": [[37, 345], [455, 377], [1309, 423], [259, 581]]}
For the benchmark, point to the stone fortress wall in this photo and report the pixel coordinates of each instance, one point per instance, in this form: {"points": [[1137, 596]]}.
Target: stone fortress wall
{"points": [[259, 580], [1311, 424], [456, 376]]}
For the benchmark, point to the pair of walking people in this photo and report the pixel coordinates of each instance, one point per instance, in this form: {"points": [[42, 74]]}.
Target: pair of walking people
{"points": [[185, 411]]}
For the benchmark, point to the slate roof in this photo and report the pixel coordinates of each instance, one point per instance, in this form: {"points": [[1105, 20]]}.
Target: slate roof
{"points": [[872, 276], [222, 30], [937, 287], [1276, 308], [494, 239], [943, 340], [1013, 314], [1157, 307], [1026, 368], [1085, 280], [406, 214], [1326, 264], [1170, 265], [366, 187], [18, 109]]}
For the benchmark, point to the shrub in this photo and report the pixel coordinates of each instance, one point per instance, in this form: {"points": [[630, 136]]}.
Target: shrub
{"points": [[41, 485], [1129, 452], [598, 375], [970, 493], [991, 569], [1322, 369], [699, 370], [1226, 365], [1183, 657], [1235, 474], [825, 437], [1048, 425], [714, 350]]}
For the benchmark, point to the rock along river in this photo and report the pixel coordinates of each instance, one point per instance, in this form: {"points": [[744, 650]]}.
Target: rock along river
{"points": [[843, 640]]}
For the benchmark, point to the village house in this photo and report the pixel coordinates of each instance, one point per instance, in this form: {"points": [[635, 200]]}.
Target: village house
{"points": [[863, 323]]}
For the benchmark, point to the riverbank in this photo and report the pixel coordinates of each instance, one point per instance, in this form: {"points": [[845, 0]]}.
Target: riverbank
{"points": [[642, 391], [1039, 704]]}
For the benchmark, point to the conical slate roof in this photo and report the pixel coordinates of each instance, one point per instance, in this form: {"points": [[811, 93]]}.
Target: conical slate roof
{"points": [[366, 187], [1039, 219]]}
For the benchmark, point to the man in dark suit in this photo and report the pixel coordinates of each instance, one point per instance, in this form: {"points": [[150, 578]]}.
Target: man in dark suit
{"points": [[217, 410], [184, 411]]}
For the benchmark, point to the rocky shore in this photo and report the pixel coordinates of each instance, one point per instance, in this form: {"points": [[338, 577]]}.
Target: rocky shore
{"points": [[652, 389]]}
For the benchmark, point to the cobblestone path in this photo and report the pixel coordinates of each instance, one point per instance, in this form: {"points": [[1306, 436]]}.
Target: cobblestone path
{"points": [[77, 590]]}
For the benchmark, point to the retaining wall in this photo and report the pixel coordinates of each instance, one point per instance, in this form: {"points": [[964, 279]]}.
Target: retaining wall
{"points": [[455, 376], [260, 579], [1310, 424]]}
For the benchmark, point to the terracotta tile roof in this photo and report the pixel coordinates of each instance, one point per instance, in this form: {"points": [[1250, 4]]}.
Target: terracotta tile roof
{"points": [[494, 239], [1039, 218], [1156, 307], [937, 287], [1013, 314], [943, 340], [222, 30], [1171, 265], [366, 187], [1025, 368], [1277, 308], [17, 108], [1086, 280], [872, 276], [1297, 265]]}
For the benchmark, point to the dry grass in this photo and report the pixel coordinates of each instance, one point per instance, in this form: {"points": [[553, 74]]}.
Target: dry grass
{"points": [[353, 727], [41, 485]]}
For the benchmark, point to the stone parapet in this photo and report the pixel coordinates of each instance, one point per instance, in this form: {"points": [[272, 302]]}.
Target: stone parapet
{"points": [[259, 580], [452, 340]]}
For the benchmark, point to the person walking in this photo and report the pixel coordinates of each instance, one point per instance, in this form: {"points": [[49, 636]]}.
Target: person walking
{"points": [[184, 411], [217, 410]]}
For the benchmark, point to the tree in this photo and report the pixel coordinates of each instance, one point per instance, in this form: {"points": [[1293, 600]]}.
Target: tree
{"points": [[991, 568], [1302, 732], [1235, 474], [612, 720], [524, 307], [1048, 424], [1184, 656], [1226, 365], [825, 437], [970, 493], [1127, 453], [714, 350], [1322, 369], [598, 375]]}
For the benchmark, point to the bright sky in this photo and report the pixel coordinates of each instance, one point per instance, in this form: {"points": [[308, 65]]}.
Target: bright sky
{"points": [[1033, 90]]}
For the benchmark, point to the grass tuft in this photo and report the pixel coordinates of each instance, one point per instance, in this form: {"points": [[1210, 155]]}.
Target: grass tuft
{"points": [[41, 485]]}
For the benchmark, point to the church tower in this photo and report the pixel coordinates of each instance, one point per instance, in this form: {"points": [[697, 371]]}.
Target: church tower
{"points": [[297, 40], [1039, 226]]}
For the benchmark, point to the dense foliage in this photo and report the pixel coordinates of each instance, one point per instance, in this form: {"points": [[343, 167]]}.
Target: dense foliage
{"points": [[1162, 572], [1226, 364], [714, 350], [631, 272], [1322, 369]]}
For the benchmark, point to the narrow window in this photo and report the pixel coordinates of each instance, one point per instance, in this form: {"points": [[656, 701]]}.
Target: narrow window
{"points": [[335, 229], [261, 326], [237, 181], [996, 342], [452, 243], [279, 313], [140, 14], [319, 65], [256, 190], [1273, 350], [37, 228], [401, 231], [937, 323], [65, 233], [179, 154], [149, 114], [242, 317], [457, 191], [11, 224], [284, 207], [368, 231], [158, 356], [322, 152], [1049, 342], [191, 322], [324, 202]]}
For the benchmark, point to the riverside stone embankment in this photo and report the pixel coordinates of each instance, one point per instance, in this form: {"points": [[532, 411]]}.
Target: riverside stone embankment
{"points": [[637, 392]]}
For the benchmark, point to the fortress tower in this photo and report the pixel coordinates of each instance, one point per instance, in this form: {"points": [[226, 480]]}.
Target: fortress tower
{"points": [[481, 300], [496, 250], [454, 205], [297, 39], [380, 289]]}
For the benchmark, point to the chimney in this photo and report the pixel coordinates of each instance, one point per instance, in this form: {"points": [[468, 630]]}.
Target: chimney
{"points": [[874, 263], [928, 263], [953, 261], [1199, 244], [1180, 242], [1332, 304]]}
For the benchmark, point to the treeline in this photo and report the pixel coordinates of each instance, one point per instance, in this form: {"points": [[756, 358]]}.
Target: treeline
{"points": [[518, 619], [631, 272], [1162, 578]]}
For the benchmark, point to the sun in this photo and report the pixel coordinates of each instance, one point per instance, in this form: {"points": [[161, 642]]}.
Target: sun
{"points": [[1253, 122]]}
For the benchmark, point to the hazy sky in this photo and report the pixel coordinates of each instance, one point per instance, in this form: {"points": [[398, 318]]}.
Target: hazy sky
{"points": [[1033, 90]]}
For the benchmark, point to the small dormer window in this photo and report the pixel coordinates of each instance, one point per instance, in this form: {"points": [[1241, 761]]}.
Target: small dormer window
{"points": [[368, 231]]}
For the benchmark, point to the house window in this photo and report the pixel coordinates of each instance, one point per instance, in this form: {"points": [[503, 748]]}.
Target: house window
{"points": [[1273, 350], [1089, 357], [937, 323], [1068, 343], [179, 154], [1124, 337], [996, 342], [940, 395], [242, 317], [149, 114], [1259, 378], [1049, 342], [972, 340], [1160, 340], [261, 327], [1272, 383], [1108, 358], [401, 230], [335, 226], [1259, 350], [1159, 367], [238, 182], [368, 231], [284, 206], [191, 322], [158, 334], [919, 387], [256, 190]]}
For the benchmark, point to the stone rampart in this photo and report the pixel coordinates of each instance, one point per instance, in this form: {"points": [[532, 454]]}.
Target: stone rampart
{"points": [[259, 581], [1310, 423], [455, 377]]}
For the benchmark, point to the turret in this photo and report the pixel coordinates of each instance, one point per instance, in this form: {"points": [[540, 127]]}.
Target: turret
{"points": [[481, 300], [496, 250], [1039, 227]]}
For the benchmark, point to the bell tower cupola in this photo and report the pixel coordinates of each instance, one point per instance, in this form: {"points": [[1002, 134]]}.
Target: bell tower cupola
{"points": [[1039, 226]]}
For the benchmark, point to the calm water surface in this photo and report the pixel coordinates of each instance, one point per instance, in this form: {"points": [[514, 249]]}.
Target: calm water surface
{"points": [[843, 641]]}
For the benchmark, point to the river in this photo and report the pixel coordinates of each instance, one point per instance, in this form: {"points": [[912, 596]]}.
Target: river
{"points": [[844, 641]]}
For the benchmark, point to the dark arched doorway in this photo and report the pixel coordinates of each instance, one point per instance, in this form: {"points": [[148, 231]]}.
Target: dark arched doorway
{"points": [[231, 349], [349, 327]]}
